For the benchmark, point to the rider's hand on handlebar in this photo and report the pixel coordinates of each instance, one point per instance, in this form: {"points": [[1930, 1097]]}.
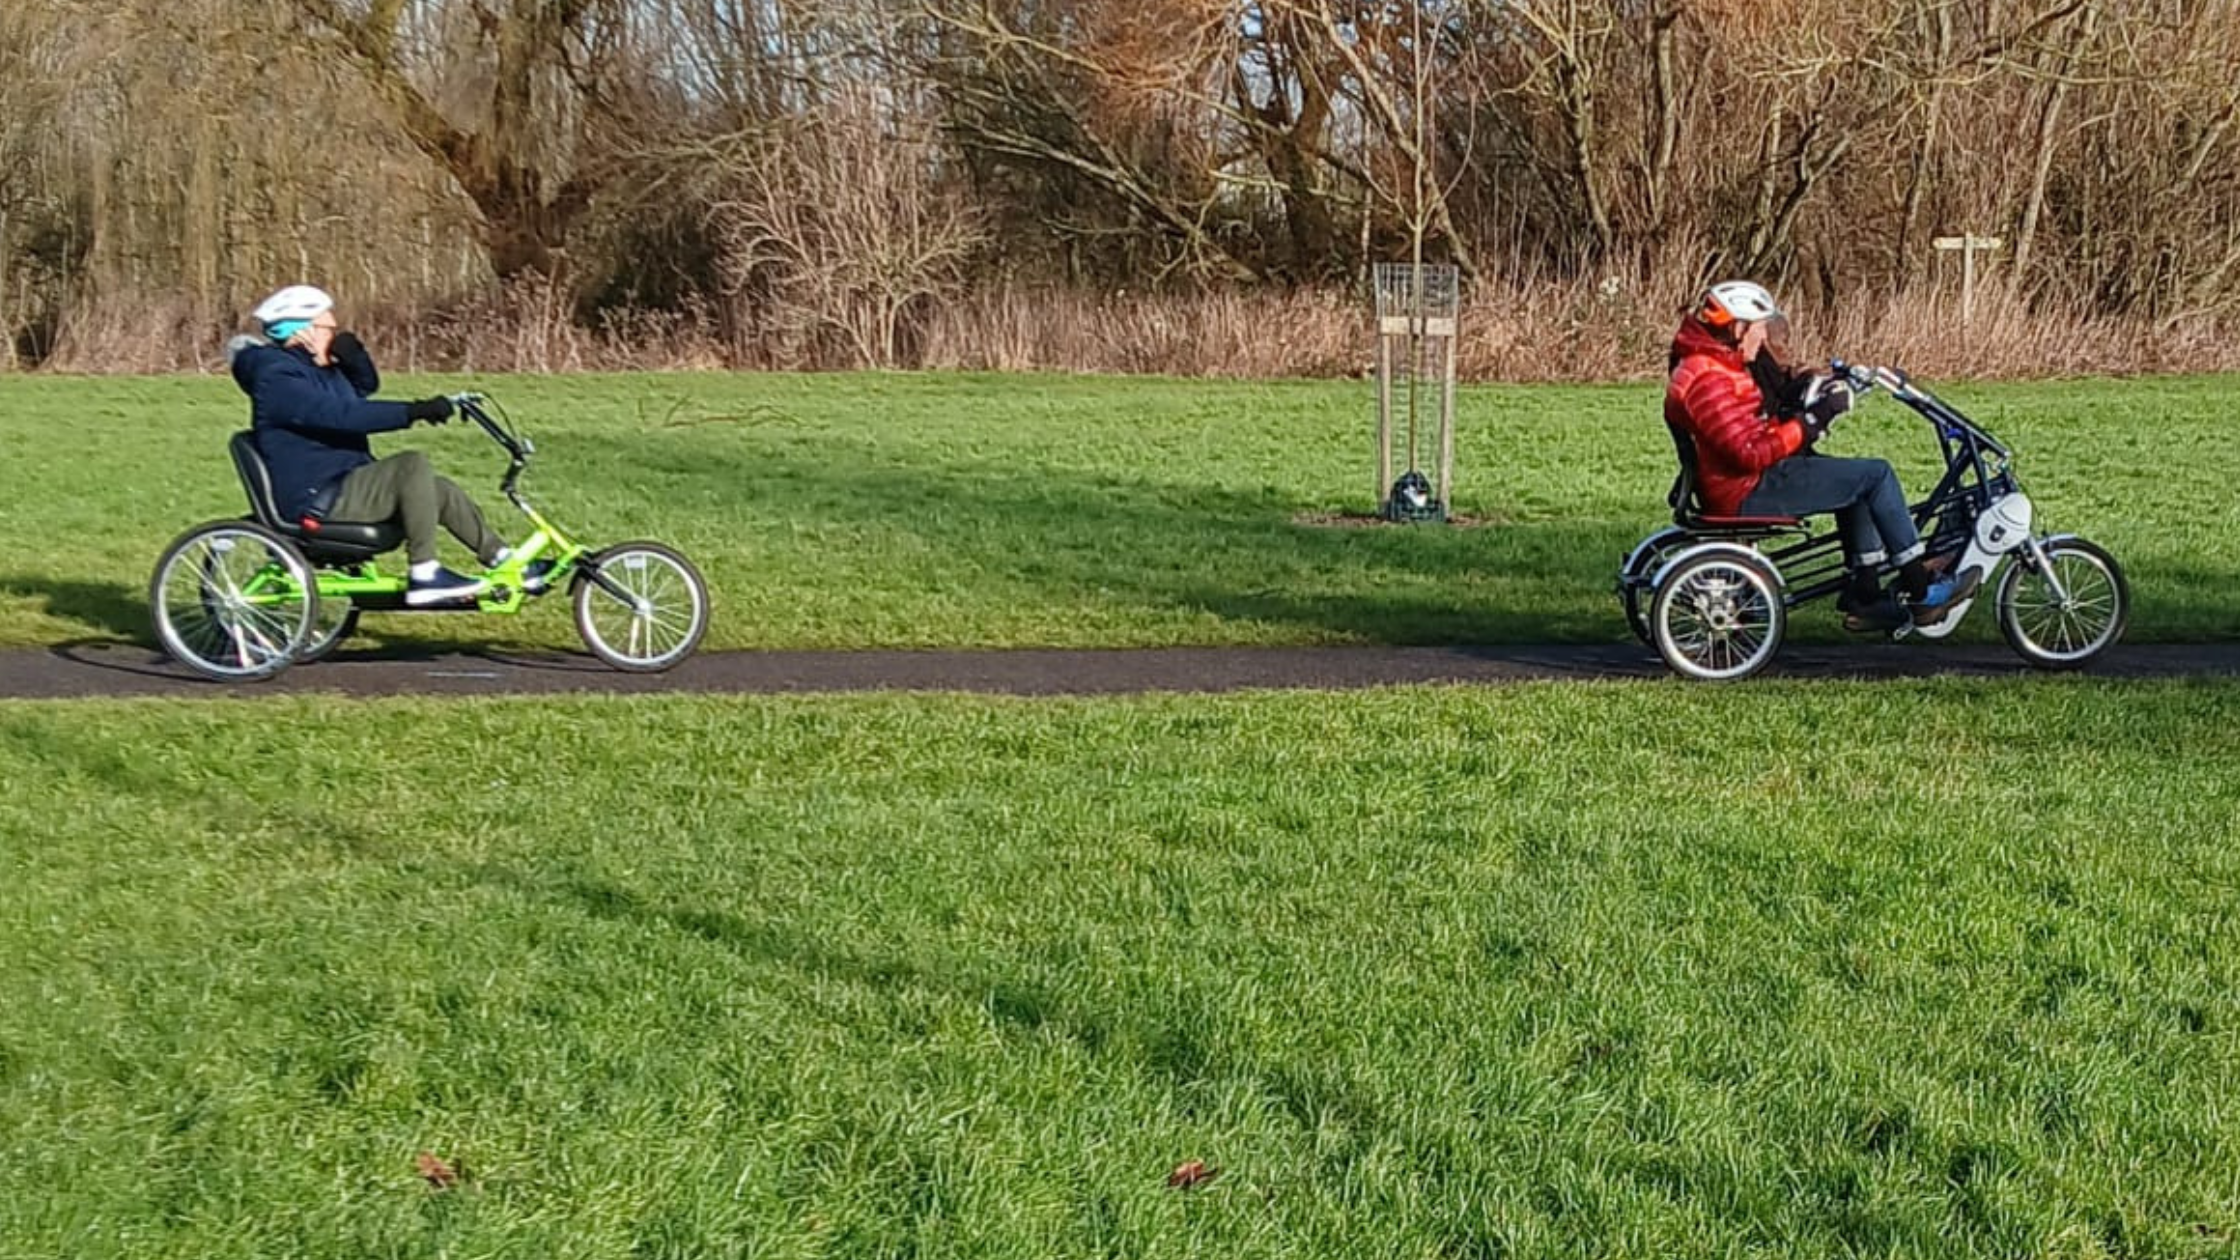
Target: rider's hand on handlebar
{"points": [[1858, 376], [435, 410], [1826, 398]]}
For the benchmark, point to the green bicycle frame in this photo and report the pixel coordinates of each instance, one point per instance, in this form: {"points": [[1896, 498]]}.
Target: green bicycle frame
{"points": [[365, 585]]}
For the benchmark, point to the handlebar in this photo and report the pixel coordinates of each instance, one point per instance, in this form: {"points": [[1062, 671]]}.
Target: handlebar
{"points": [[519, 448], [1862, 378], [1950, 423], [471, 405]]}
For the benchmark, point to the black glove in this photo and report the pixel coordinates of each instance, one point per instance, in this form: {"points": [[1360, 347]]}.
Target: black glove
{"points": [[347, 349], [348, 355], [1824, 399], [429, 410], [1782, 389]]}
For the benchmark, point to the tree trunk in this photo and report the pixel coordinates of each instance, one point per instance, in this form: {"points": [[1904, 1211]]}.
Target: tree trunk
{"points": [[1904, 262], [2047, 141], [525, 229]]}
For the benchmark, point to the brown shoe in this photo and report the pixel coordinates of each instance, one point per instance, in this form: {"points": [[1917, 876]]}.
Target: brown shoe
{"points": [[1942, 598]]}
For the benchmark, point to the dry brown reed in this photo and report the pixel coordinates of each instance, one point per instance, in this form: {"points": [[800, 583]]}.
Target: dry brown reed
{"points": [[1549, 331]]}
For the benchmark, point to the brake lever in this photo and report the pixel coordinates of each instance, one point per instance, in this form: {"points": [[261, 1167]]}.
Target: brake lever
{"points": [[1859, 378]]}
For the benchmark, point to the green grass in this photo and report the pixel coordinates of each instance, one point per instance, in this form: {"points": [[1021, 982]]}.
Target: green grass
{"points": [[1638, 969], [915, 510]]}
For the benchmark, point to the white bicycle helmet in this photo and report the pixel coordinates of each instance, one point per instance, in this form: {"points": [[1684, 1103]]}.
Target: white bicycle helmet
{"points": [[286, 312], [1737, 302]]}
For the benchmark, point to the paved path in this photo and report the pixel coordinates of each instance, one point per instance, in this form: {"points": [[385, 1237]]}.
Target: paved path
{"points": [[113, 669]]}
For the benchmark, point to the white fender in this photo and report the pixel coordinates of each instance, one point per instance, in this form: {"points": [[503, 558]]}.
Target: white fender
{"points": [[2000, 528], [1749, 554]]}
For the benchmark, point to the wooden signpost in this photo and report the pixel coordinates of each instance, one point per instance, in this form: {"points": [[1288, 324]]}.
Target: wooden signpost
{"points": [[1967, 245]]}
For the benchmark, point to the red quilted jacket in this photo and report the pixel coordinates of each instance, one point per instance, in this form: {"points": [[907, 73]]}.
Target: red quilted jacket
{"points": [[1712, 398]]}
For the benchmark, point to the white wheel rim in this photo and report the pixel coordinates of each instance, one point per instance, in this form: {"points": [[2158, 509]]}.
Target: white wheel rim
{"points": [[231, 604], [1718, 620], [659, 622], [2072, 629]]}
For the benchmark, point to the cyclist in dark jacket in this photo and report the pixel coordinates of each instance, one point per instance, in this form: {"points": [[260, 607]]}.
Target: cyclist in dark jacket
{"points": [[309, 388]]}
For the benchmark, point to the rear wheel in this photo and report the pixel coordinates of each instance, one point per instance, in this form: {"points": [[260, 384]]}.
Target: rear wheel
{"points": [[233, 601], [640, 606], [1636, 570], [2067, 611], [1718, 616]]}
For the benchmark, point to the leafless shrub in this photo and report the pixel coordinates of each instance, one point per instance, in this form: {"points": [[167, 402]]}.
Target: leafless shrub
{"points": [[842, 242]]}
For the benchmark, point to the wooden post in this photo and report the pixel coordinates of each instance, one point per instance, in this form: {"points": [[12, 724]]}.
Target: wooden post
{"points": [[1445, 329], [1385, 366], [1967, 245]]}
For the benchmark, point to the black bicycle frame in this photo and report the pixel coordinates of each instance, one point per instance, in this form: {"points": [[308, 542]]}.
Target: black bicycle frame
{"points": [[1976, 473]]}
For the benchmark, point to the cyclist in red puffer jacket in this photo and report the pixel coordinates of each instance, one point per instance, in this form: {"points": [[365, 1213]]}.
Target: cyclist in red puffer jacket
{"points": [[1752, 422]]}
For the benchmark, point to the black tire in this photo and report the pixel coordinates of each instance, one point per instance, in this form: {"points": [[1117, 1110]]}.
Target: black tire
{"points": [[668, 620], [232, 600], [338, 620], [1718, 616], [1637, 568], [2051, 633]]}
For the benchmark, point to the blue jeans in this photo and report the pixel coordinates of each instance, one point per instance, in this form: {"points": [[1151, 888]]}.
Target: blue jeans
{"points": [[1870, 508]]}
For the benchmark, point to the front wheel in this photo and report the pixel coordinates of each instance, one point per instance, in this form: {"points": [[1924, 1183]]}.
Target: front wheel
{"points": [[2061, 612], [1718, 616], [233, 601], [640, 606]]}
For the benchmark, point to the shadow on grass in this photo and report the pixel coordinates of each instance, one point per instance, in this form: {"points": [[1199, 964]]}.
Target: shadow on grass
{"points": [[1178, 1045], [102, 653], [1002, 534], [1180, 1040], [117, 611]]}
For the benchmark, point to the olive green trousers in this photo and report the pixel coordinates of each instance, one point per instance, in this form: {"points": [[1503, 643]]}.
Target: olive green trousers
{"points": [[405, 488]]}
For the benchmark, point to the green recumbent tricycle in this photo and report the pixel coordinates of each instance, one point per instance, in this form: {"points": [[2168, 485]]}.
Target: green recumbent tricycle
{"points": [[240, 600]]}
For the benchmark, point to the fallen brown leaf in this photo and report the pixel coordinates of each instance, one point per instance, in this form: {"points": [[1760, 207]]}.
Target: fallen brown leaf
{"points": [[436, 1172], [1191, 1173]]}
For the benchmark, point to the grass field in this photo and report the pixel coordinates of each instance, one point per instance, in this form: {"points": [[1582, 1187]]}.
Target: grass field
{"points": [[908, 510], [1938, 969]]}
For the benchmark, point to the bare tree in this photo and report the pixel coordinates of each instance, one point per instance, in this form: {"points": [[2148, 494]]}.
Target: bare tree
{"points": [[532, 80], [635, 153], [840, 228]]}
